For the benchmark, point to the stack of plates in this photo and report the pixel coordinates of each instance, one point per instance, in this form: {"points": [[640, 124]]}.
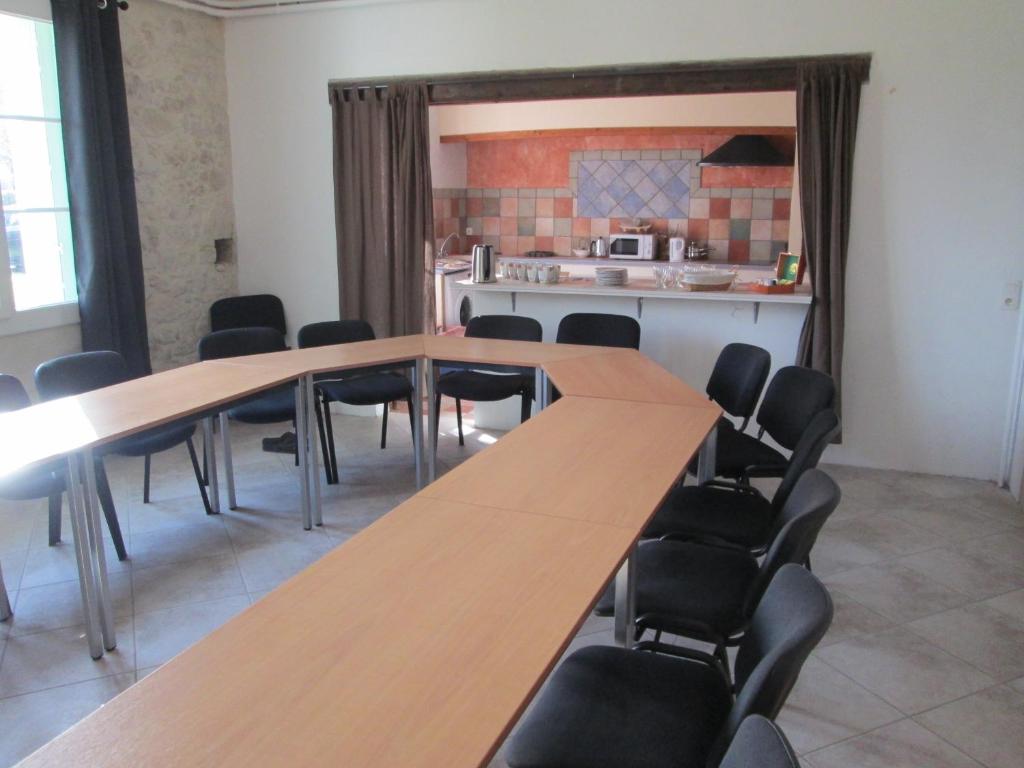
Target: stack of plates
{"points": [[610, 275]]}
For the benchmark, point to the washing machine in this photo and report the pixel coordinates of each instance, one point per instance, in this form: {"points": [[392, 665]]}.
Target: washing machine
{"points": [[458, 306]]}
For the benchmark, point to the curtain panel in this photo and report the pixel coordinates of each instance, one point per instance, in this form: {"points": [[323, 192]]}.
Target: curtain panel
{"points": [[383, 207], [828, 100], [101, 181]]}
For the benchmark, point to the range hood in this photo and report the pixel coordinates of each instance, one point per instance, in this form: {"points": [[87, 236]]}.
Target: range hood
{"points": [[746, 150]]}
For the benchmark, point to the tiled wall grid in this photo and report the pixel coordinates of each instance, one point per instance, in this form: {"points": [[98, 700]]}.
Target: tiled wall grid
{"points": [[739, 224]]}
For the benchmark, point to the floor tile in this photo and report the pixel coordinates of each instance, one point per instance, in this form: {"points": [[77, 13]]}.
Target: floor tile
{"points": [[54, 606], [61, 657], [265, 566], [850, 618], [960, 568], [904, 669], [990, 640], [1011, 603], [903, 744], [895, 591], [160, 635], [1004, 547], [50, 565], [32, 719], [826, 707], [952, 520], [12, 564], [988, 726], [198, 581], [180, 543]]}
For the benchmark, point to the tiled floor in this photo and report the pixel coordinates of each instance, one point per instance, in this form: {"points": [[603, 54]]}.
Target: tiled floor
{"points": [[923, 666]]}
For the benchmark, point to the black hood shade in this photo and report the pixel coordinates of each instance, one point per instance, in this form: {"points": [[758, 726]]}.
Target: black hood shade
{"points": [[746, 150]]}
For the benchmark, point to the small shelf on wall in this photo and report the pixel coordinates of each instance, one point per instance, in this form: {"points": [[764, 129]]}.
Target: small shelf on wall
{"points": [[540, 133]]}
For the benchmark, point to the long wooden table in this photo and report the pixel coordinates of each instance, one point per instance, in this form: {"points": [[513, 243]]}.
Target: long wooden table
{"points": [[420, 640]]}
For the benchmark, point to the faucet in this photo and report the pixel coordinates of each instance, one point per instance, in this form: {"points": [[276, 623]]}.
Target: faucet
{"points": [[444, 245]]}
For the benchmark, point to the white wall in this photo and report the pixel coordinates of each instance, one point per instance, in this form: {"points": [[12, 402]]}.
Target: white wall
{"points": [[937, 200]]}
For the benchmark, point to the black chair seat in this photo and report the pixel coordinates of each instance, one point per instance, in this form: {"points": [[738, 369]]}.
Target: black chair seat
{"points": [[740, 518], [152, 440], [277, 405], [33, 483], [371, 389], [612, 707], [485, 387], [738, 450], [707, 585]]}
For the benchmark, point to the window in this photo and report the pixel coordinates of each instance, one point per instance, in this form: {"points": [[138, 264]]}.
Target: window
{"points": [[35, 228]]}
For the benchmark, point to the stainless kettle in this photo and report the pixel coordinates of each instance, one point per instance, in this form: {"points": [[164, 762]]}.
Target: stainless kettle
{"points": [[598, 247], [484, 264]]}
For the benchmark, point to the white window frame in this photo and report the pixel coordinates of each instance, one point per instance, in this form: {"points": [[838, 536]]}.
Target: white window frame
{"points": [[52, 315]]}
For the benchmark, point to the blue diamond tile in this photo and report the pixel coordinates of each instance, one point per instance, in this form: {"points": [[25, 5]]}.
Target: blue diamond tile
{"points": [[676, 165], [660, 204], [647, 165], [632, 203], [646, 189], [589, 187], [661, 173], [645, 213], [618, 188], [617, 213], [587, 208], [675, 213], [633, 173], [604, 203], [618, 165], [676, 189], [604, 174]]}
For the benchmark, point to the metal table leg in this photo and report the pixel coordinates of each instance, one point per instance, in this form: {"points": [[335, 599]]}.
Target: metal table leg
{"points": [[541, 390], [625, 602], [312, 454], [229, 467], [94, 528], [211, 464], [428, 370], [706, 458], [417, 420], [86, 574], [302, 449]]}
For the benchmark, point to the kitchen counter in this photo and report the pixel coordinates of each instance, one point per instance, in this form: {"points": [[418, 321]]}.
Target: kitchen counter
{"points": [[639, 288]]}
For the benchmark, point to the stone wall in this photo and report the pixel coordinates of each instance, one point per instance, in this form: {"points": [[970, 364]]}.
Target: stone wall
{"points": [[177, 104]]}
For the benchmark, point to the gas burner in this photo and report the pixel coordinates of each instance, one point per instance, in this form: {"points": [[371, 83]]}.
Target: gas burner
{"points": [[539, 254]]}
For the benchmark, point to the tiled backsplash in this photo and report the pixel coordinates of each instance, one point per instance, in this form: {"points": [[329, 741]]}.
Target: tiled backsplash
{"points": [[608, 188]]}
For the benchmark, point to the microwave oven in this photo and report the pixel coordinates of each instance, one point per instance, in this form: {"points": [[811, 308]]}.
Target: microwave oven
{"points": [[640, 247]]}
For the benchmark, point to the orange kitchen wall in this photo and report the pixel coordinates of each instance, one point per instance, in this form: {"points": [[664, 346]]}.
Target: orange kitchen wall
{"points": [[543, 162]]}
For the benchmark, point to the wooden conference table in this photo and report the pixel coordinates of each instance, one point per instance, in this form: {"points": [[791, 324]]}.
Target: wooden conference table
{"points": [[420, 640]]}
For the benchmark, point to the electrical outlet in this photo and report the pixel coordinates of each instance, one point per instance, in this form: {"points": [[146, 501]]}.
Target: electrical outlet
{"points": [[1011, 295], [469, 231]]}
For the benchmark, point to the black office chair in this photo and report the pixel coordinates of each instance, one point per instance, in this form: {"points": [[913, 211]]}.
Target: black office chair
{"points": [[86, 371], [708, 591], [600, 330], [45, 481], [382, 388], [258, 310], [607, 706], [737, 513], [795, 395], [759, 743], [737, 379], [507, 381]]}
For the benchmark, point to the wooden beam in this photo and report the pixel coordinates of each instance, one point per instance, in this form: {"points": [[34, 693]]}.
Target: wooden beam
{"points": [[659, 130], [734, 76]]}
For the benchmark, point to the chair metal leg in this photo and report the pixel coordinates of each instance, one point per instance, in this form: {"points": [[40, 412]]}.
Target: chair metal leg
{"points": [[332, 467], [384, 428], [412, 421], [524, 409], [56, 500], [206, 465], [5, 602], [199, 475], [109, 512], [145, 478], [458, 419], [323, 436], [437, 418]]}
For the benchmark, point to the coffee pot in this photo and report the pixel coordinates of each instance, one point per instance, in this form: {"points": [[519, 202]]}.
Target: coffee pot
{"points": [[598, 247], [484, 264]]}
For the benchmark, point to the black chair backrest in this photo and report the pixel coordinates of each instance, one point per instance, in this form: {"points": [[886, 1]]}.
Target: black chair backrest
{"points": [[335, 332], [759, 744], [805, 512], [599, 330], [81, 372], [239, 342], [790, 620], [13, 396], [258, 310], [812, 443], [508, 327], [795, 396], [738, 378]]}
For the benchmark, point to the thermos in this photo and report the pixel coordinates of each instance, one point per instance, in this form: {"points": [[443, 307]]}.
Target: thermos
{"points": [[484, 264]]}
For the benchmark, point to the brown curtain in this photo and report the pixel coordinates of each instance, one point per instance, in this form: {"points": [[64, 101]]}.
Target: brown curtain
{"points": [[828, 98], [383, 207]]}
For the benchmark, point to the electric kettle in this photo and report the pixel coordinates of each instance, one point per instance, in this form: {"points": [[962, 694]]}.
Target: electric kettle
{"points": [[483, 264], [598, 247]]}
